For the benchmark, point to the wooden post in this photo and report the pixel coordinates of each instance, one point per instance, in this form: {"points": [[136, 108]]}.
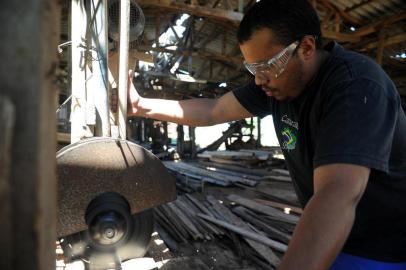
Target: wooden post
{"points": [[99, 64], [78, 104], [166, 133], [224, 43], [30, 35], [241, 6], [381, 46], [337, 19], [7, 116], [123, 70], [157, 30], [181, 139], [259, 132], [192, 137]]}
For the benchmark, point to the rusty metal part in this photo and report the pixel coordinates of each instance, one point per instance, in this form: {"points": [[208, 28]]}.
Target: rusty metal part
{"points": [[91, 167]]}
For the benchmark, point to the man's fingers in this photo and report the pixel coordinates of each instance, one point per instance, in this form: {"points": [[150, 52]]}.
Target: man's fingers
{"points": [[130, 77], [133, 96]]}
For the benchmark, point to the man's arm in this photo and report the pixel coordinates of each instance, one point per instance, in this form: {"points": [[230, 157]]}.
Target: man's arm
{"points": [[192, 112], [328, 217]]}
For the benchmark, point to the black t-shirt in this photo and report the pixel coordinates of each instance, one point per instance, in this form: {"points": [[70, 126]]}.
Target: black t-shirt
{"points": [[351, 113]]}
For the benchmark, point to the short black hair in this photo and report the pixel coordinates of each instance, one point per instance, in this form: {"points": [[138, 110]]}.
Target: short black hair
{"points": [[289, 20]]}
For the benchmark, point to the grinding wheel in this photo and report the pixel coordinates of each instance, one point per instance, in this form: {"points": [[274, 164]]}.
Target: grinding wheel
{"points": [[113, 235], [94, 166], [107, 190]]}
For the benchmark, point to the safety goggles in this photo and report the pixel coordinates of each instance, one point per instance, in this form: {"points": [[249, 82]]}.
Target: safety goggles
{"points": [[274, 66]]}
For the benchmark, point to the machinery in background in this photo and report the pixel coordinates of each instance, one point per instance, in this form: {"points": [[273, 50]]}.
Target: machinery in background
{"points": [[107, 185]]}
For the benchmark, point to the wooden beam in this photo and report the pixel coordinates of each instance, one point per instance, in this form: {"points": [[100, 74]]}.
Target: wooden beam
{"points": [[389, 41], [373, 27], [360, 4], [27, 79], [157, 29], [173, 77], [342, 13], [79, 127], [63, 138], [341, 37], [224, 43], [337, 20], [176, 34], [237, 60], [228, 16], [381, 46], [200, 11]]}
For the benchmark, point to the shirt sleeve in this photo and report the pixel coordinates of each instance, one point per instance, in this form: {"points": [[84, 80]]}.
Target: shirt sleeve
{"points": [[253, 99], [357, 123]]}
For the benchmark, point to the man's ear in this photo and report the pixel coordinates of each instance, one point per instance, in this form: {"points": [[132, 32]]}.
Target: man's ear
{"points": [[307, 47]]}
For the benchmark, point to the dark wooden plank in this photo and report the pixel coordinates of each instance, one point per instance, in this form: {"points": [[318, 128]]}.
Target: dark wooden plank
{"points": [[198, 204], [189, 226], [263, 250], [253, 219], [169, 217], [193, 219], [282, 206], [192, 209], [268, 210], [170, 227], [184, 168], [165, 236], [249, 234]]}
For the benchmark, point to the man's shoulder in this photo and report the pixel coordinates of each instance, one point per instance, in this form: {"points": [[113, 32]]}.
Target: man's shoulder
{"points": [[345, 67]]}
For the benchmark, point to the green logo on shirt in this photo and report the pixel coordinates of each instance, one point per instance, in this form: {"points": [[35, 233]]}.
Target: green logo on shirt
{"points": [[288, 139]]}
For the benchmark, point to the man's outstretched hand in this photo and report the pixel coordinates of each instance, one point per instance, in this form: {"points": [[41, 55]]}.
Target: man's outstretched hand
{"points": [[133, 98]]}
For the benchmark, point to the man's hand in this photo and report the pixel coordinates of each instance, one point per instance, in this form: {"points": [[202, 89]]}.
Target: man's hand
{"points": [[133, 98]]}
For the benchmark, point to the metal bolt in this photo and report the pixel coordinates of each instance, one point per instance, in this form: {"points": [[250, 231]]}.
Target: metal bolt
{"points": [[109, 233]]}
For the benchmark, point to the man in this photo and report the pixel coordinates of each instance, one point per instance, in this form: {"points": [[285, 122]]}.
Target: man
{"points": [[340, 124]]}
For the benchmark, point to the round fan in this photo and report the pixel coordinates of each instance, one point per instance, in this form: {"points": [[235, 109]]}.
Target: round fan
{"points": [[137, 20]]}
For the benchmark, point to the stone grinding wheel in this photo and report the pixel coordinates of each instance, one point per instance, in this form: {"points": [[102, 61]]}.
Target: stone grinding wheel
{"points": [[134, 181]]}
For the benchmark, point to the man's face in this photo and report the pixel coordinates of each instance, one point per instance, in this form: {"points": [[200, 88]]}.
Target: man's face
{"points": [[260, 48]]}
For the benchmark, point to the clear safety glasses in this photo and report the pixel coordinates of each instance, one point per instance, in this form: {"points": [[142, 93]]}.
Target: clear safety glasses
{"points": [[274, 66]]}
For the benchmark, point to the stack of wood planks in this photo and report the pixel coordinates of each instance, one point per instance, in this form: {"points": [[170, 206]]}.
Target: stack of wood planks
{"points": [[193, 175], [274, 183], [262, 225], [243, 158]]}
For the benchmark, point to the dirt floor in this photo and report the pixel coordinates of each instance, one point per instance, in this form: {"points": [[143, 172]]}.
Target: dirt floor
{"points": [[215, 254]]}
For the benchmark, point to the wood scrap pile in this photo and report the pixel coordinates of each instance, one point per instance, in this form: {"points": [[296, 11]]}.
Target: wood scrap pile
{"points": [[274, 184], [274, 189], [263, 225], [194, 176], [244, 158]]}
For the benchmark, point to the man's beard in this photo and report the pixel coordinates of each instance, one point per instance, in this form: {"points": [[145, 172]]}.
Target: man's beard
{"points": [[295, 84]]}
